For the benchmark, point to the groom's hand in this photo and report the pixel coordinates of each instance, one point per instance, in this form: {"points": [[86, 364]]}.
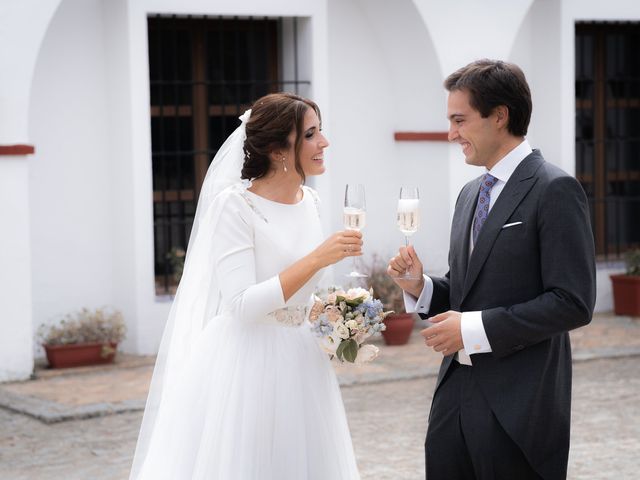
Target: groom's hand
{"points": [[407, 261], [445, 335]]}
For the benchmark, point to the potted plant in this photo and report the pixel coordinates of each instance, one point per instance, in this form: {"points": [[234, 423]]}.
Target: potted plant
{"points": [[85, 337], [626, 286], [176, 257], [399, 323]]}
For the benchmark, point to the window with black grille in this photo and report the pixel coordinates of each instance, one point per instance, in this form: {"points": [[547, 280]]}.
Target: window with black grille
{"points": [[608, 131], [204, 73]]}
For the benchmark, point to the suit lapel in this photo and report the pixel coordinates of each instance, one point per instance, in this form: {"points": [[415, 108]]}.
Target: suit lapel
{"points": [[513, 193], [461, 233]]}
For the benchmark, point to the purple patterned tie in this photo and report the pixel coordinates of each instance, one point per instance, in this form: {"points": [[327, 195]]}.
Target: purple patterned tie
{"points": [[482, 208]]}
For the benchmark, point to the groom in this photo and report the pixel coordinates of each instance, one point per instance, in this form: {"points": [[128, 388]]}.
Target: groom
{"points": [[521, 275]]}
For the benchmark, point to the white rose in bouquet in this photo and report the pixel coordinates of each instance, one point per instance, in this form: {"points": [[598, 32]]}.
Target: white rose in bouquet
{"points": [[358, 292], [341, 330], [330, 344], [352, 325], [367, 353], [331, 298]]}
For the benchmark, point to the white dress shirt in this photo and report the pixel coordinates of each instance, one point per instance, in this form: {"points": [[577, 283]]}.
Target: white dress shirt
{"points": [[474, 336]]}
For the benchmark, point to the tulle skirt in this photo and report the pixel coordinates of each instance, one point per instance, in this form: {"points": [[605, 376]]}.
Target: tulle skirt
{"points": [[258, 401]]}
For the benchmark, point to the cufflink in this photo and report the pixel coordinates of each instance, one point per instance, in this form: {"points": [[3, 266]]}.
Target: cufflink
{"points": [[477, 347]]}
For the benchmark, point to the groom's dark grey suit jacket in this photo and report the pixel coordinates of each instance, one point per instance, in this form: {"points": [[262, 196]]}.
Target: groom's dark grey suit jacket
{"points": [[533, 281]]}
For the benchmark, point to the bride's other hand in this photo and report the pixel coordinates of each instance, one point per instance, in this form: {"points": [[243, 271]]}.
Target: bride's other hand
{"points": [[347, 243]]}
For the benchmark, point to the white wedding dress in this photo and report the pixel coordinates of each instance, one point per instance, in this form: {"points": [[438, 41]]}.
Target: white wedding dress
{"points": [[258, 399]]}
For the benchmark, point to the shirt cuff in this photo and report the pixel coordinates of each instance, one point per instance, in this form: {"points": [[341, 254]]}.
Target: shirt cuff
{"points": [[423, 302], [474, 337]]}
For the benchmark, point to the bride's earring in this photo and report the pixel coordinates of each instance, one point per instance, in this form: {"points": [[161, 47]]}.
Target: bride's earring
{"points": [[284, 165]]}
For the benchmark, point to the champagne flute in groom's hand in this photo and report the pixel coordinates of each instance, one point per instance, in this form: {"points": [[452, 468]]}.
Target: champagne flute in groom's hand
{"points": [[408, 218]]}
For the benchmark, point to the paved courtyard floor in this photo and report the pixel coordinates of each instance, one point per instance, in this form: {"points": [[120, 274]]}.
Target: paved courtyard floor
{"points": [[387, 405]]}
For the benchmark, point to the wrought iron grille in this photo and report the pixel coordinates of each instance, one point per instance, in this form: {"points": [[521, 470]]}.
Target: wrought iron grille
{"points": [[608, 131], [204, 73]]}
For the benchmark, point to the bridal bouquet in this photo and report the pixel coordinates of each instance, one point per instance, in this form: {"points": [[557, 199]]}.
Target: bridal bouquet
{"points": [[344, 320]]}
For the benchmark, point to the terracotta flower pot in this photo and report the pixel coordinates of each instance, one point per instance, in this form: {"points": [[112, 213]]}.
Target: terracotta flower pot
{"points": [[76, 355], [399, 328], [626, 294]]}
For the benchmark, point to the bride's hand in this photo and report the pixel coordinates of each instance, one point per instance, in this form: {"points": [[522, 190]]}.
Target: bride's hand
{"points": [[347, 243]]}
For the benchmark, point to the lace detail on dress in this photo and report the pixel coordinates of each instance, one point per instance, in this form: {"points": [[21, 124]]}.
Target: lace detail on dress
{"points": [[290, 316], [316, 198], [242, 190]]}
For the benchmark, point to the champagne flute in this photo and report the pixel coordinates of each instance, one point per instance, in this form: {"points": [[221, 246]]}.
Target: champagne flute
{"points": [[408, 217], [354, 216]]}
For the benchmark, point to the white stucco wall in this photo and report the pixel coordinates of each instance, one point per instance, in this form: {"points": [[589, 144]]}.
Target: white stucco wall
{"points": [[385, 77], [122, 166], [23, 24], [69, 174], [539, 57], [81, 208]]}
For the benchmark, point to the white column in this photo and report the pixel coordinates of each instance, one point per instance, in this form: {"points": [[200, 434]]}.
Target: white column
{"points": [[23, 24], [16, 330]]}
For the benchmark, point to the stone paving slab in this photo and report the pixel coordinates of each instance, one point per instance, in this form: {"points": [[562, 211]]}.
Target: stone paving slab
{"points": [[84, 392], [388, 422], [70, 395], [48, 411]]}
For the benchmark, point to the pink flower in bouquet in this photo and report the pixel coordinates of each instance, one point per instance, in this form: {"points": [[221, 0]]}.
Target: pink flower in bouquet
{"points": [[316, 309], [333, 313]]}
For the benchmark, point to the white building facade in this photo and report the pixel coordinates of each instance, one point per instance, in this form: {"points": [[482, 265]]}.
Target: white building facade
{"points": [[79, 195]]}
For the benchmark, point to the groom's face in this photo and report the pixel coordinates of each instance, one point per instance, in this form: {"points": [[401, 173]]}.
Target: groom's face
{"points": [[477, 136]]}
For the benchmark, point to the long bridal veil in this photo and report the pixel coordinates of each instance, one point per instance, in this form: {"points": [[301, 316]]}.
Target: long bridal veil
{"points": [[198, 295]]}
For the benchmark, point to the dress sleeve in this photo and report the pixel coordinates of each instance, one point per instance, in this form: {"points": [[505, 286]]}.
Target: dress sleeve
{"points": [[234, 263]]}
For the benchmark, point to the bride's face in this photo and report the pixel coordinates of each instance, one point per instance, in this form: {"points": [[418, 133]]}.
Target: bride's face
{"points": [[312, 146]]}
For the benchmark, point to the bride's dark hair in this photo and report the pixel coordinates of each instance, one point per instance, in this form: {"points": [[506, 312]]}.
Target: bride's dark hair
{"points": [[273, 118]]}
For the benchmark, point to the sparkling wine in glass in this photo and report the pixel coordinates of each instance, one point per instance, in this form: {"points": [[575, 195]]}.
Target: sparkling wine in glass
{"points": [[354, 216], [408, 216]]}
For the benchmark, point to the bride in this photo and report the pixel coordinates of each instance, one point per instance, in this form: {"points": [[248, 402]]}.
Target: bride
{"points": [[241, 389]]}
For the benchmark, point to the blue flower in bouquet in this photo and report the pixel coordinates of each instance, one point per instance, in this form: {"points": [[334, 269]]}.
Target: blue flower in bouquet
{"points": [[372, 308], [322, 327], [378, 327]]}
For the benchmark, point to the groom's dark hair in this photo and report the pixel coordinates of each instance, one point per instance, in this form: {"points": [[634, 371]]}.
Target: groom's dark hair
{"points": [[492, 83]]}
